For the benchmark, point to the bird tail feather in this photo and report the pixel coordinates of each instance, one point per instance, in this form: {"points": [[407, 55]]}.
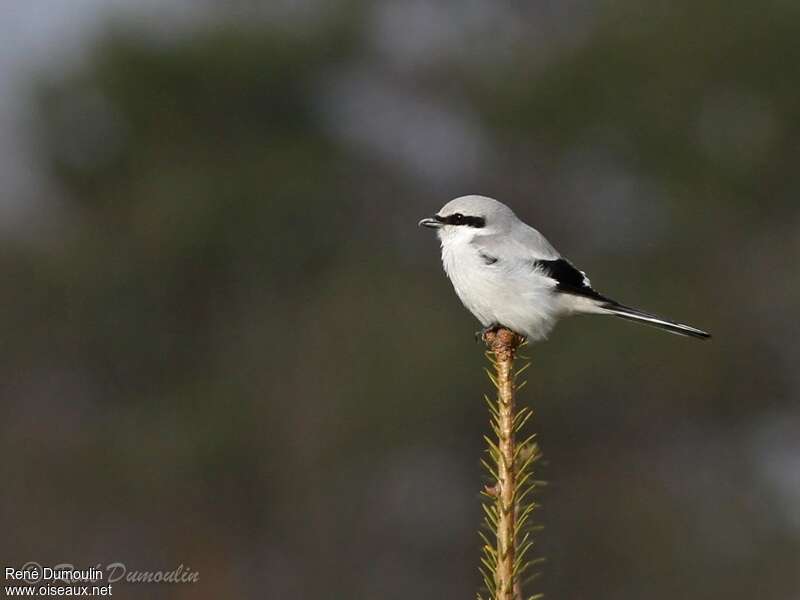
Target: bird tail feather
{"points": [[631, 314]]}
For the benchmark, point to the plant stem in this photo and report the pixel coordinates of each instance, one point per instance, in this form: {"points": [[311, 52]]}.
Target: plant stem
{"points": [[504, 344]]}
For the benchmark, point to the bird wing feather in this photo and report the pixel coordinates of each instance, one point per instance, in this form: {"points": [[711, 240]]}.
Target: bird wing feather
{"points": [[524, 243], [528, 247]]}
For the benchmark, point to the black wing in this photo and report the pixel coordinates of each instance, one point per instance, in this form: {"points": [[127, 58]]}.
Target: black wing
{"points": [[569, 279]]}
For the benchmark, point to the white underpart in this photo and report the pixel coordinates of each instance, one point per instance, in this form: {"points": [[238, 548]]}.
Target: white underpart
{"points": [[510, 292]]}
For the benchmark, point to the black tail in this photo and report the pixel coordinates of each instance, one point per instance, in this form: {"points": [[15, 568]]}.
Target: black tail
{"points": [[631, 314]]}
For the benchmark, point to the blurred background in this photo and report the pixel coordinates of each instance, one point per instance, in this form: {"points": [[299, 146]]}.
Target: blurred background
{"points": [[227, 345]]}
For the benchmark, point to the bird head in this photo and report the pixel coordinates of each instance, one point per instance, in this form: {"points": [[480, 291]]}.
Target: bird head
{"points": [[468, 216]]}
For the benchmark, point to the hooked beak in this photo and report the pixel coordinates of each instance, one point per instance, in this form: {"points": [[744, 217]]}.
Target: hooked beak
{"points": [[432, 222]]}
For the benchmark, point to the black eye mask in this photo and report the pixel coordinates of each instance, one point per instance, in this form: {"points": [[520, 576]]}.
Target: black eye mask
{"points": [[459, 219]]}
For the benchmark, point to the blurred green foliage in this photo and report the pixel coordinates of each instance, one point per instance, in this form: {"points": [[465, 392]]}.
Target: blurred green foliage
{"points": [[238, 353]]}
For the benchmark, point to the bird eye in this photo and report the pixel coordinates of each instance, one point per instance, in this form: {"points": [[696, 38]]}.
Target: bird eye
{"points": [[458, 218]]}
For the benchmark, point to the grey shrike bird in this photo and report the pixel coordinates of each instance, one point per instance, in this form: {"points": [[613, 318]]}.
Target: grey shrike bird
{"points": [[507, 274]]}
